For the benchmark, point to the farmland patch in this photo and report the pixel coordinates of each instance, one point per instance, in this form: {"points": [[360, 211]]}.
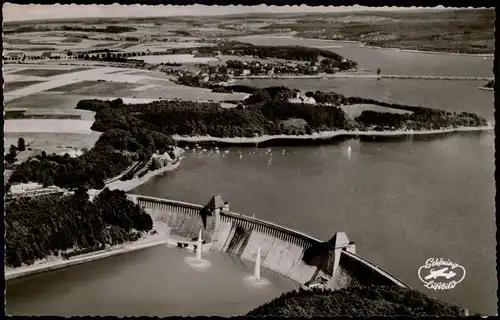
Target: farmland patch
{"points": [[355, 110], [47, 72], [48, 125], [51, 142], [106, 88], [75, 86], [175, 58], [10, 86]]}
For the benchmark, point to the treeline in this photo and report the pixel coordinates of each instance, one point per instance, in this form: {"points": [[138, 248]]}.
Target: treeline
{"points": [[107, 29], [297, 53], [133, 132], [26, 29], [419, 118], [125, 139], [88, 170], [357, 302], [265, 112], [49, 225]]}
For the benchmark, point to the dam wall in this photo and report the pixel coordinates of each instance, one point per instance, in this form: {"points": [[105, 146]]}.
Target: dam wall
{"points": [[288, 252]]}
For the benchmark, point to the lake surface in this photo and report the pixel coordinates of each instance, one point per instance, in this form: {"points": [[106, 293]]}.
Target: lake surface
{"points": [[391, 61], [150, 282], [401, 202]]}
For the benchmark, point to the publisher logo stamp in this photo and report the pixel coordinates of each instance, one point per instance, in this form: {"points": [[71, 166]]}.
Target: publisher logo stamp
{"points": [[440, 274]]}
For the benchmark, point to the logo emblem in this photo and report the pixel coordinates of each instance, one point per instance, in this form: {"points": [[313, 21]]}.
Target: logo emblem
{"points": [[439, 274]]}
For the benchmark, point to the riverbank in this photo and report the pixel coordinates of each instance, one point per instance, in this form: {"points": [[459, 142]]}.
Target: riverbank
{"points": [[324, 136]]}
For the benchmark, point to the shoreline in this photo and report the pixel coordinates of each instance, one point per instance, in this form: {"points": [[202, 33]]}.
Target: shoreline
{"points": [[135, 182], [362, 44], [360, 75], [486, 89], [147, 241], [323, 136], [41, 266]]}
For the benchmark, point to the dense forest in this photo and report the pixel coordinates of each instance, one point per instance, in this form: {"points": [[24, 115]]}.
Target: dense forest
{"points": [[421, 118], [290, 53], [133, 132], [49, 225], [88, 170], [265, 111], [357, 302], [108, 158], [107, 29], [268, 112]]}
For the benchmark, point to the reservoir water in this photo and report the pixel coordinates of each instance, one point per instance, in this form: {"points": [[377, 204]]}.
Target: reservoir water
{"points": [[391, 61], [151, 282], [402, 202]]}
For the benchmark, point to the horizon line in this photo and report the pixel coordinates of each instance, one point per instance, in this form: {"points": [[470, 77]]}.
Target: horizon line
{"points": [[33, 12]]}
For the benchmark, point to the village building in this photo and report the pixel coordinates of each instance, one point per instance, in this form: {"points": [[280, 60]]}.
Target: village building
{"points": [[46, 55]]}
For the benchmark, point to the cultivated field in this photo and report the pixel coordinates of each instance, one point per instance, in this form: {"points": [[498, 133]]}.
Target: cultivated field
{"points": [[9, 86], [46, 72], [355, 110], [176, 58], [50, 142]]}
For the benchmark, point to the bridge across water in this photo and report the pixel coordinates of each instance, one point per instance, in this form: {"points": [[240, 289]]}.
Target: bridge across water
{"points": [[365, 76], [293, 254]]}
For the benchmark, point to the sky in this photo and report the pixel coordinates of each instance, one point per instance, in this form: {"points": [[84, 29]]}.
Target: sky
{"points": [[16, 12]]}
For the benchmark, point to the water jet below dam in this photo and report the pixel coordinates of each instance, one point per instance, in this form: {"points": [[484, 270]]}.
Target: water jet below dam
{"points": [[297, 256]]}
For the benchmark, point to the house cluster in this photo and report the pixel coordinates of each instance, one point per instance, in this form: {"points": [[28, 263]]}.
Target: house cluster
{"points": [[239, 68]]}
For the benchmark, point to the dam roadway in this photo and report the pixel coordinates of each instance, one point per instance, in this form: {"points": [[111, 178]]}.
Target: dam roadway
{"points": [[365, 76]]}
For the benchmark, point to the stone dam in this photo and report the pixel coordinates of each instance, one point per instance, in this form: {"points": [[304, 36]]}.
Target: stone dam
{"points": [[300, 257]]}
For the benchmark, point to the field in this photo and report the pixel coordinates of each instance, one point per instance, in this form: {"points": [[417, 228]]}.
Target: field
{"points": [[355, 110], [176, 58], [9, 86], [93, 87], [47, 126], [50, 142], [47, 72]]}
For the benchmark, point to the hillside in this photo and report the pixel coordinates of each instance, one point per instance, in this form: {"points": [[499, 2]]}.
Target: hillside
{"points": [[357, 302]]}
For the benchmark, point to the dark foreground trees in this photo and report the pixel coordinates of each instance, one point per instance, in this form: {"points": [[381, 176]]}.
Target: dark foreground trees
{"points": [[357, 302], [45, 225]]}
